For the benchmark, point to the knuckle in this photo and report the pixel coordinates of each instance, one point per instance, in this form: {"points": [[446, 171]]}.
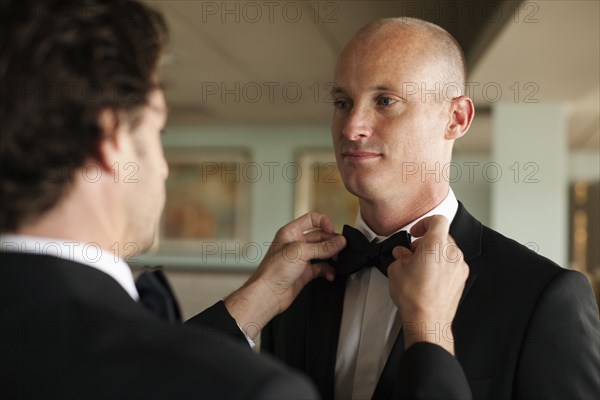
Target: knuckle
{"points": [[315, 217], [280, 232], [465, 270]]}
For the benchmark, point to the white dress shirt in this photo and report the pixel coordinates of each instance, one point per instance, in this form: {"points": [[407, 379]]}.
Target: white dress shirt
{"points": [[370, 320], [89, 254]]}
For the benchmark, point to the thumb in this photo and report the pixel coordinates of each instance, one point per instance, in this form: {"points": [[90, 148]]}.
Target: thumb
{"points": [[435, 224], [322, 250], [402, 253]]}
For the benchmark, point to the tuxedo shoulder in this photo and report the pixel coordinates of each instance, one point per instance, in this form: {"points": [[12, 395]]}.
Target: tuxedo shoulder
{"points": [[108, 353], [508, 270], [506, 253], [60, 320], [503, 261], [510, 264]]}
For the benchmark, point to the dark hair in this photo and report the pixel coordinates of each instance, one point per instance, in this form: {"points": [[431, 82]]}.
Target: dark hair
{"points": [[61, 62]]}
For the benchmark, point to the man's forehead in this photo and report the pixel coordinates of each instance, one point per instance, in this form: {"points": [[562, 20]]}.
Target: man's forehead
{"points": [[340, 88], [393, 58], [380, 73], [388, 37], [395, 44]]}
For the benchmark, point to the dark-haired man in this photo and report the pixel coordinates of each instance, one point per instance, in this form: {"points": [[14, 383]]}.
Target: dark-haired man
{"points": [[525, 328], [80, 93]]}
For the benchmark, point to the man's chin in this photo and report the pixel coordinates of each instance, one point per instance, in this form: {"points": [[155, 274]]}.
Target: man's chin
{"points": [[146, 244], [150, 244], [361, 185]]}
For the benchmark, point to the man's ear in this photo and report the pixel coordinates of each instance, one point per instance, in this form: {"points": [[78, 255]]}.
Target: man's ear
{"points": [[109, 145], [462, 112]]}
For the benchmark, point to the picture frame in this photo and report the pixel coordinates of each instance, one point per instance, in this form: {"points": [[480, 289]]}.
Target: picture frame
{"points": [[320, 188], [207, 202]]}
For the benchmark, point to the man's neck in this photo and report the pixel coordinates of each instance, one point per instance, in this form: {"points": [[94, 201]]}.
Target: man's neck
{"points": [[386, 216], [72, 219]]}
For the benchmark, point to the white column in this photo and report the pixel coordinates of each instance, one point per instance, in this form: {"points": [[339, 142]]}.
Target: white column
{"points": [[530, 199]]}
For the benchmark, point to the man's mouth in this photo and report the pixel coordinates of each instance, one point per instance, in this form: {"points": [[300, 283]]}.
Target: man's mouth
{"points": [[360, 155]]}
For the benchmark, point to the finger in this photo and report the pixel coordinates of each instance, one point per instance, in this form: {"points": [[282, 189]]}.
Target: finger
{"points": [[326, 224], [322, 250], [317, 236], [320, 221], [393, 272], [401, 253], [452, 252], [325, 270], [415, 244], [451, 239], [294, 230], [435, 224]]}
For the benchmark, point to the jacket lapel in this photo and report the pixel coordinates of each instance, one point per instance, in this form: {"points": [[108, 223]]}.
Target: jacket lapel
{"points": [[385, 385], [466, 231], [323, 328]]}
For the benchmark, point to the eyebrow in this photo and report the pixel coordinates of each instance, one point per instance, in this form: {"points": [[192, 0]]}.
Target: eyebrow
{"points": [[337, 90], [378, 88], [383, 87]]}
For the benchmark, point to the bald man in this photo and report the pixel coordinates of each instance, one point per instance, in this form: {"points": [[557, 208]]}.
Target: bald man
{"points": [[523, 327]]}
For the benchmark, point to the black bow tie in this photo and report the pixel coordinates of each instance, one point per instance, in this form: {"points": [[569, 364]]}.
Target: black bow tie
{"points": [[156, 295], [360, 253]]}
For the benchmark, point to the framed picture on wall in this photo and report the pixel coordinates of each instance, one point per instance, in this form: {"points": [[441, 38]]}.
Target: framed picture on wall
{"points": [[207, 202], [584, 231], [320, 188]]}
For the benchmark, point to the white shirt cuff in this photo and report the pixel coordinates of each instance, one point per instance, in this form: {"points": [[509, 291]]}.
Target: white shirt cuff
{"points": [[248, 338]]}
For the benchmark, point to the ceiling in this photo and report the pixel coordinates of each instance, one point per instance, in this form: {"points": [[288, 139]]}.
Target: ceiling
{"points": [[271, 62]]}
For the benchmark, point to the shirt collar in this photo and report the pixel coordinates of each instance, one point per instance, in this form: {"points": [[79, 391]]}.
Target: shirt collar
{"points": [[447, 208], [89, 254]]}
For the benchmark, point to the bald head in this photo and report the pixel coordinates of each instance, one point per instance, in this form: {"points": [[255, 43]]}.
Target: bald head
{"points": [[417, 44], [397, 98]]}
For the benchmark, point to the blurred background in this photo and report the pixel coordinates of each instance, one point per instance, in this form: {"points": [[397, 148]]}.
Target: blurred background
{"points": [[248, 138]]}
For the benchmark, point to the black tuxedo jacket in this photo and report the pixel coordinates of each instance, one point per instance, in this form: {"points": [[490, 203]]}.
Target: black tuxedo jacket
{"points": [[69, 331], [524, 329]]}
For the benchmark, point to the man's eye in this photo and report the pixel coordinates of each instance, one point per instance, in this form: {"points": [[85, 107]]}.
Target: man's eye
{"points": [[341, 104], [385, 101]]}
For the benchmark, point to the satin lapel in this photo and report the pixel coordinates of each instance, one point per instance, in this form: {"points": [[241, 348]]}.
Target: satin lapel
{"points": [[325, 316], [385, 385], [467, 232]]}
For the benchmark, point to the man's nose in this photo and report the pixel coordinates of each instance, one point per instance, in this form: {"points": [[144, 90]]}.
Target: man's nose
{"points": [[358, 124]]}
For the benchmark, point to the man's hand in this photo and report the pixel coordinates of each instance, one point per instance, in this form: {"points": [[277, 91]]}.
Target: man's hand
{"points": [[426, 283], [285, 270]]}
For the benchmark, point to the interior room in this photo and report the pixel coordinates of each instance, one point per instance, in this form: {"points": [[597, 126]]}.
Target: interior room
{"points": [[249, 145]]}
